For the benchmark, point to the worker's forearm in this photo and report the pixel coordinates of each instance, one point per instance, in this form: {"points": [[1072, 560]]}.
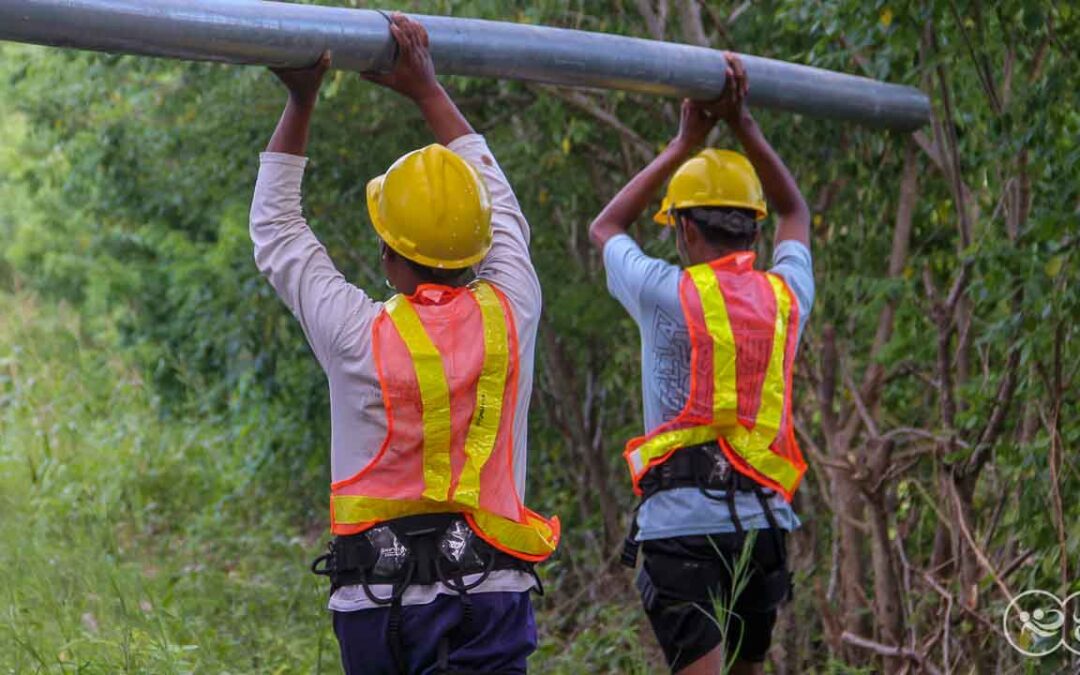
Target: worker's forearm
{"points": [[443, 117], [628, 204], [781, 190], [291, 135]]}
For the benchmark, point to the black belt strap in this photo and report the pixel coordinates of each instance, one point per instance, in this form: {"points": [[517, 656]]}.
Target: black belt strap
{"points": [[631, 545], [394, 637], [774, 527], [694, 467], [731, 507]]}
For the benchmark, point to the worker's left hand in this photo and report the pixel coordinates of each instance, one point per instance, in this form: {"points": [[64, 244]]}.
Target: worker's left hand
{"points": [[413, 75], [303, 83]]}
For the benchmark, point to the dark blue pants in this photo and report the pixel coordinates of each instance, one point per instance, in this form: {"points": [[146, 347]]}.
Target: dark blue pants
{"points": [[498, 639]]}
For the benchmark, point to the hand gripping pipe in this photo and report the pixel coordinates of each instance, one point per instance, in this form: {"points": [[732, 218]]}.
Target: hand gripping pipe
{"points": [[282, 34]]}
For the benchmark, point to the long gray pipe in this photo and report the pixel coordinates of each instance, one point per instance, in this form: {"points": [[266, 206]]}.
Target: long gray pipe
{"points": [[289, 35]]}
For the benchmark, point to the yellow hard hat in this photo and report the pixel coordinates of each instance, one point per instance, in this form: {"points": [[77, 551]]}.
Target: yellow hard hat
{"points": [[713, 178], [432, 207]]}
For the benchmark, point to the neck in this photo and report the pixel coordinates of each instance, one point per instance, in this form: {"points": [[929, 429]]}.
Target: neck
{"points": [[412, 282], [707, 254]]}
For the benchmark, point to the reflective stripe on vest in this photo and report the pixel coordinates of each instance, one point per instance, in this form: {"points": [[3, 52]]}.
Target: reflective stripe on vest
{"points": [[434, 397], [489, 397], [360, 502], [763, 448]]}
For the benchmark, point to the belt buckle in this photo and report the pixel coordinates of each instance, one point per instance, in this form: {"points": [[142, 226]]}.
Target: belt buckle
{"points": [[720, 470], [456, 545], [391, 554]]}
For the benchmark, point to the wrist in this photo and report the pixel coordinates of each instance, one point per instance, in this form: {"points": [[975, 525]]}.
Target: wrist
{"points": [[304, 101], [680, 146], [741, 121], [431, 93]]}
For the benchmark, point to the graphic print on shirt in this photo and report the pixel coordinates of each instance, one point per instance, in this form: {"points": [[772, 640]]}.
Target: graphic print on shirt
{"points": [[671, 356]]}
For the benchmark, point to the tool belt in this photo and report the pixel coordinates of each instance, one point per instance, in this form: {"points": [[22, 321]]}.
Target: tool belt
{"points": [[702, 466], [416, 550], [706, 468]]}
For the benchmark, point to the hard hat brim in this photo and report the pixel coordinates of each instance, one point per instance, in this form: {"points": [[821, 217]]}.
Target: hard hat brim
{"points": [[662, 218]]}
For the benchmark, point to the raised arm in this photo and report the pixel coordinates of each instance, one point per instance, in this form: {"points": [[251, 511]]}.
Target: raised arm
{"points": [[287, 252], [291, 135], [695, 123], [413, 76], [781, 191]]}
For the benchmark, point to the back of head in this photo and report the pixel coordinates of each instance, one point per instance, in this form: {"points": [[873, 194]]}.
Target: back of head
{"points": [[724, 228], [459, 276]]}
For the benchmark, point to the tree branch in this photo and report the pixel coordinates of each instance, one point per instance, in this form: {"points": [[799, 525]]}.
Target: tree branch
{"points": [[655, 20], [586, 104], [996, 421], [889, 650], [690, 19]]}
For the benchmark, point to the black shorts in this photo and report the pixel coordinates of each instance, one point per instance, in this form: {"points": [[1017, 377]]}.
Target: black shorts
{"points": [[686, 582]]}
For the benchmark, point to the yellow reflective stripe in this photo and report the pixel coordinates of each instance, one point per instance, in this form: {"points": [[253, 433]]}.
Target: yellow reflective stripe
{"points": [[484, 427], [434, 396], [357, 509], [662, 443], [534, 537], [755, 447], [725, 391], [771, 408]]}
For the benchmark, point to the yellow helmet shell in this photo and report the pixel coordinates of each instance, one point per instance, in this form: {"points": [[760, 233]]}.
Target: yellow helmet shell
{"points": [[713, 178], [432, 207]]}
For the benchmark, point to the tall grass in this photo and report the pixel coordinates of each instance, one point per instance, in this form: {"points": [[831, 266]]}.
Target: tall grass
{"points": [[128, 543]]}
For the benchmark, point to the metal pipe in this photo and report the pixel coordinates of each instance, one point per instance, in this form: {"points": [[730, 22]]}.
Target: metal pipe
{"points": [[282, 34]]}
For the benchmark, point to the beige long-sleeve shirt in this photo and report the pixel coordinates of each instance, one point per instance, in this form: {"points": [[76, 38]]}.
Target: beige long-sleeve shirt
{"points": [[337, 318]]}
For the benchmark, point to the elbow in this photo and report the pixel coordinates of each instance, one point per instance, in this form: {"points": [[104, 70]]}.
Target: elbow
{"points": [[796, 213], [802, 214], [599, 232], [593, 234]]}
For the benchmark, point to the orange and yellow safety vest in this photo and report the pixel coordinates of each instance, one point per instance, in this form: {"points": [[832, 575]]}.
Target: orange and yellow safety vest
{"points": [[447, 361], [743, 327]]}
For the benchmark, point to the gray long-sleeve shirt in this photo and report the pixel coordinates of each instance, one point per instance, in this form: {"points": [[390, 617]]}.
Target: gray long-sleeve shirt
{"points": [[337, 319]]}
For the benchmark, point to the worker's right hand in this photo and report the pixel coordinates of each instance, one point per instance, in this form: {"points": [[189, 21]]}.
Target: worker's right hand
{"points": [[413, 75], [731, 106], [303, 83], [695, 123]]}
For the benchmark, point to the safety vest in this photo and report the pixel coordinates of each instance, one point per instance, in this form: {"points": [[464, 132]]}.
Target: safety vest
{"points": [[743, 328], [447, 361]]}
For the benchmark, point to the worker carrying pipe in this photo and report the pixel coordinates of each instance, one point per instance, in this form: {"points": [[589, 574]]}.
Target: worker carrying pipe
{"points": [[718, 465], [431, 565]]}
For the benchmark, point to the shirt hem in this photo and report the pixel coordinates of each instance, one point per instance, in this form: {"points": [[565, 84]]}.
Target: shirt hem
{"points": [[748, 524]]}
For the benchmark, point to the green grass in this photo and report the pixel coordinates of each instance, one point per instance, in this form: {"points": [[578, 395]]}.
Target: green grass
{"points": [[132, 543]]}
